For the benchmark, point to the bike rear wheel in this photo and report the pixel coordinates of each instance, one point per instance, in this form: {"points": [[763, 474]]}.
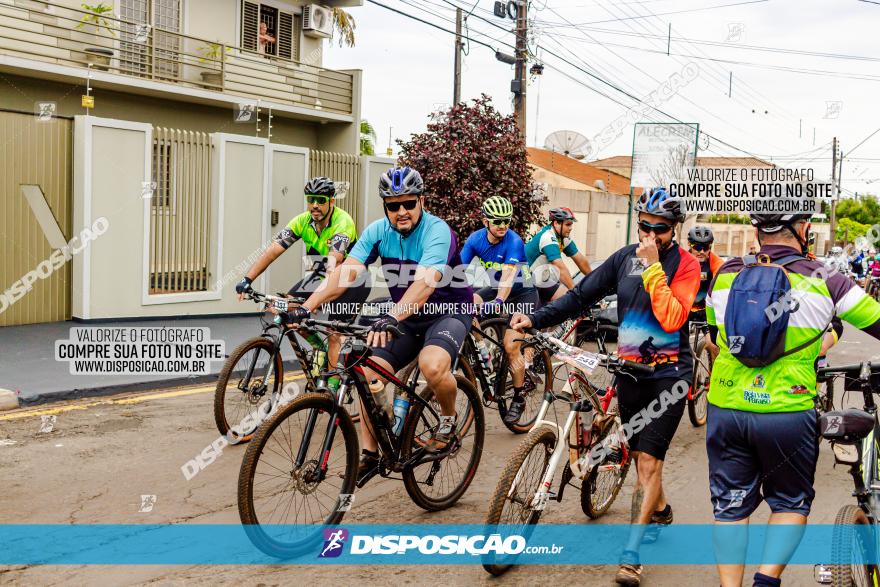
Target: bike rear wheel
{"points": [[274, 494], [515, 501], [437, 484], [698, 406], [246, 371], [847, 545]]}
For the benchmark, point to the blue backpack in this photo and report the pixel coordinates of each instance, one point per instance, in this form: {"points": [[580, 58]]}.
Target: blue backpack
{"points": [[759, 304]]}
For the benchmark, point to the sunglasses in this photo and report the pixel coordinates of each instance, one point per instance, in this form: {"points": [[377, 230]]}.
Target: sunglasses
{"points": [[320, 200], [656, 228], [500, 221], [701, 247], [395, 206]]}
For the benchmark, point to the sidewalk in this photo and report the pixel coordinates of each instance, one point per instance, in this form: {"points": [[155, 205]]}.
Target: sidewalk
{"points": [[28, 365]]}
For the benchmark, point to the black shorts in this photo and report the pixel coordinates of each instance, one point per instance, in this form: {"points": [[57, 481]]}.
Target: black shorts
{"points": [[651, 410], [546, 293], [524, 301], [346, 307], [755, 456], [447, 331]]}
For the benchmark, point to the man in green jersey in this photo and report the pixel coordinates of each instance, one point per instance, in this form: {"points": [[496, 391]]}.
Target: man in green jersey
{"points": [[762, 437], [328, 234]]}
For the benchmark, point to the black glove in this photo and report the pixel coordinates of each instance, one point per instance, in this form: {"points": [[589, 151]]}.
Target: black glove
{"points": [[383, 322], [298, 314], [244, 286]]}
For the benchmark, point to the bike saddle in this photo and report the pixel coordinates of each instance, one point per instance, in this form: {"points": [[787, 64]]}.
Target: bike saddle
{"points": [[846, 426]]}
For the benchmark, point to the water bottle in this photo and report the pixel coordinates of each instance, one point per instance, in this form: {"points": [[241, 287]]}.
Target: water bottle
{"points": [[377, 388], [485, 357], [317, 362], [401, 407]]}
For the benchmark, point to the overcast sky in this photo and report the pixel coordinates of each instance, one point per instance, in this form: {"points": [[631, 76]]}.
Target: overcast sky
{"points": [[408, 72]]}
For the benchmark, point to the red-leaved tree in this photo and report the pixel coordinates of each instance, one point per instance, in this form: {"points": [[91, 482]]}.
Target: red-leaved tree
{"points": [[468, 154]]}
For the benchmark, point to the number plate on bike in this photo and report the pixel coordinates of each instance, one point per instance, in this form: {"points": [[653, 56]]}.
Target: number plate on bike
{"points": [[280, 305]]}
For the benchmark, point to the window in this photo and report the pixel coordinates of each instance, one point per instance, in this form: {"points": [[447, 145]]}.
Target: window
{"points": [[136, 57], [284, 27]]}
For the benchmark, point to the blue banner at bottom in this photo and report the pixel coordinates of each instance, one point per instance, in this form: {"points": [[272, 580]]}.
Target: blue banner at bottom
{"points": [[362, 544]]}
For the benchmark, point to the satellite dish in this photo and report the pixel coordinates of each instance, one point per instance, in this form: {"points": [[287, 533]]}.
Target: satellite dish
{"points": [[569, 143]]}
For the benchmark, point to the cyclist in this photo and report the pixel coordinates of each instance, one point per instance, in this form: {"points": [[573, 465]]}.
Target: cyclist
{"points": [[700, 239], [873, 275], [857, 266], [547, 247], [328, 234], [837, 261], [761, 440], [656, 282], [501, 251], [434, 319]]}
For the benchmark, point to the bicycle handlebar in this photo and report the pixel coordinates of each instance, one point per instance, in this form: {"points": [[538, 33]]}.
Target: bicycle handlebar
{"points": [[346, 328], [638, 367]]}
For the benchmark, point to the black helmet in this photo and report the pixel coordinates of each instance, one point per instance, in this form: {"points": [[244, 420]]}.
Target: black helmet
{"points": [[701, 235], [320, 186], [561, 215], [401, 181], [659, 202], [774, 222]]}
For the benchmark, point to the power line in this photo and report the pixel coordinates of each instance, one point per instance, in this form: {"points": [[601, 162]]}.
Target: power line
{"points": [[862, 143], [668, 13]]}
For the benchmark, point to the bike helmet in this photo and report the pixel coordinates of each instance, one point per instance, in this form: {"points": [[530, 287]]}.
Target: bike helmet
{"points": [[561, 215], [661, 203], [836, 250], [774, 222], [401, 181], [320, 186], [497, 207], [701, 235]]}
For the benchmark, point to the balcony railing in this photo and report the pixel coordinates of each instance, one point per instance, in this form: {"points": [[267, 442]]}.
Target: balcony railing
{"points": [[68, 36]]}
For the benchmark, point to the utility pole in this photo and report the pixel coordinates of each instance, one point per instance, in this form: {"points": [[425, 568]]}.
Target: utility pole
{"points": [[833, 224], [519, 84], [456, 92]]}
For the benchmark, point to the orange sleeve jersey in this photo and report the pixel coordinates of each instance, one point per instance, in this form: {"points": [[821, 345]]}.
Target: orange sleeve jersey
{"points": [[672, 303]]}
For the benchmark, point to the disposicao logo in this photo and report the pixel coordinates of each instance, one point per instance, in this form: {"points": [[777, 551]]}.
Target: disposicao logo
{"points": [[334, 540]]}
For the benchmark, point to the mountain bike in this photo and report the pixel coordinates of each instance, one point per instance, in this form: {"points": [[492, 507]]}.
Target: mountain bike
{"points": [[301, 467], [250, 381], [697, 398], [592, 438], [855, 442]]}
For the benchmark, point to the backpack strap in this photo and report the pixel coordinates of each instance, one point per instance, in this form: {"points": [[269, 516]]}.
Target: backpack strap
{"points": [[788, 259]]}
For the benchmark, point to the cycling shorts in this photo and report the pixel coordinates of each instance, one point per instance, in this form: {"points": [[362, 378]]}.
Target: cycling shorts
{"points": [[346, 307], [637, 396], [524, 301], [546, 293], [761, 456], [447, 332]]}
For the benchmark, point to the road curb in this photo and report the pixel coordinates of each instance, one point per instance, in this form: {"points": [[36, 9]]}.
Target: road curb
{"points": [[8, 400]]}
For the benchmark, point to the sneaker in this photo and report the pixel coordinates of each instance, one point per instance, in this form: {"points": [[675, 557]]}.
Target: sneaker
{"points": [[369, 461], [515, 410], [630, 571], [658, 520], [442, 436]]}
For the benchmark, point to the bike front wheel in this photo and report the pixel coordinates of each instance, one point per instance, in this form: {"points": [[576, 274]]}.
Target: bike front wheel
{"points": [[517, 500], [287, 486], [848, 545], [604, 481], [436, 484]]}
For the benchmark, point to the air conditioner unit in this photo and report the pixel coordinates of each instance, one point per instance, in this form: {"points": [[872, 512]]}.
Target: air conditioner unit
{"points": [[317, 21]]}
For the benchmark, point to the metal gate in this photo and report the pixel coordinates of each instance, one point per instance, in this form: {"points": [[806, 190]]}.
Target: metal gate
{"points": [[35, 217]]}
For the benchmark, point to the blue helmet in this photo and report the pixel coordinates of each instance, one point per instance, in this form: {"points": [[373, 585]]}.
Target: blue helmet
{"points": [[401, 181], [659, 202]]}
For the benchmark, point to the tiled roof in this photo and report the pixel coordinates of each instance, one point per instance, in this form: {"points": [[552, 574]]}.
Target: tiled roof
{"points": [[579, 171], [626, 161]]}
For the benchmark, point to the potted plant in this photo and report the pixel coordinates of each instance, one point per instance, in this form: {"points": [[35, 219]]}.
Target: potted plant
{"points": [[213, 52], [93, 23]]}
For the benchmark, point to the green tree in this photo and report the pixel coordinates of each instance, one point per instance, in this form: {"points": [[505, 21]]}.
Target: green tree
{"points": [[863, 211], [343, 25], [368, 138], [849, 228], [468, 154]]}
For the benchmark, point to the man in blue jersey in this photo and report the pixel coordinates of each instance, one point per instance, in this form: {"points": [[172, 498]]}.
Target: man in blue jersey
{"points": [[502, 253], [434, 319], [545, 251]]}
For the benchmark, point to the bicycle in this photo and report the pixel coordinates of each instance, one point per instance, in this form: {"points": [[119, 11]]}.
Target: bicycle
{"points": [[314, 434], [854, 436], [697, 398], [598, 453], [256, 365]]}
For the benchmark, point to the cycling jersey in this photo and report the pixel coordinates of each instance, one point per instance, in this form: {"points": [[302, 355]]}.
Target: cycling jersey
{"points": [[337, 237], [875, 268], [509, 252], [708, 269], [653, 306], [788, 384], [431, 244], [545, 248]]}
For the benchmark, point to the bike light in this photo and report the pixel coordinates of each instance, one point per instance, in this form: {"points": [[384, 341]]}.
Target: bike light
{"points": [[847, 454]]}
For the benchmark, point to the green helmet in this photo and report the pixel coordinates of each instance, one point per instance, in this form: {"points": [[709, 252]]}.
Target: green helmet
{"points": [[497, 207]]}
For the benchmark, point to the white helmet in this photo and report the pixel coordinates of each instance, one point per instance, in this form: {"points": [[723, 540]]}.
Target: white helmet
{"points": [[836, 250]]}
